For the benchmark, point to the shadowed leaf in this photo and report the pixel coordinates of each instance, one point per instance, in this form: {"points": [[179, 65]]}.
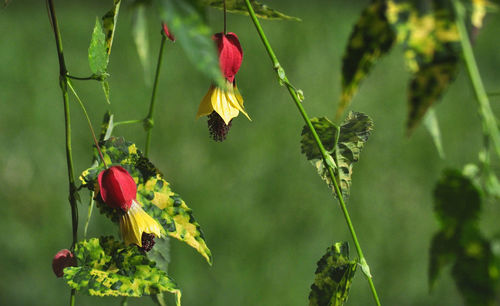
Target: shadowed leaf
{"points": [[98, 57], [432, 42], [370, 39], [193, 35], [333, 277], [106, 267], [353, 134], [457, 204], [153, 193], [239, 7]]}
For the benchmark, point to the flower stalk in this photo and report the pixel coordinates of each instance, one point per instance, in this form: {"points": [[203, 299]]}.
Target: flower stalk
{"points": [[297, 96]]}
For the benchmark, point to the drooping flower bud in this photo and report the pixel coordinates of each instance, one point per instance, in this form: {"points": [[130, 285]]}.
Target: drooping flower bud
{"points": [[167, 32], [64, 258], [117, 187], [230, 54]]}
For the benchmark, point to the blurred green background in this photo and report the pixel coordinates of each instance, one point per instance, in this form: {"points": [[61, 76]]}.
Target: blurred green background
{"points": [[266, 215]]}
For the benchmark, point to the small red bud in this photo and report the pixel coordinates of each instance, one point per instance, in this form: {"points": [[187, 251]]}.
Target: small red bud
{"points": [[117, 187], [167, 32], [64, 258], [230, 54]]}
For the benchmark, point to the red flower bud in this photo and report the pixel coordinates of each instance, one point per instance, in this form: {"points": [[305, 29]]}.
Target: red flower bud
{"points": [[64, 258], [167, 32], [230, 54], [117, 187]]}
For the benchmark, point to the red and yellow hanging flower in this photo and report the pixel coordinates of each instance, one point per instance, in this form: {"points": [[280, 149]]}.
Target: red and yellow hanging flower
{"points": [[223, 104], [118, 190]]}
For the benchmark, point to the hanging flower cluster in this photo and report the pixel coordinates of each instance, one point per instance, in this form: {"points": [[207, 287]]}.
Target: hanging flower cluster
{"points": [[119, 190], [221, 105]]}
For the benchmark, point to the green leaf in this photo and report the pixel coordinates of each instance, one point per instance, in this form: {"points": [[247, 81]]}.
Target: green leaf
{"points": [[432, 45], [333, 277], [140, 35], [109, 23], [153, 193], [98, 56], [371, 38], [352, 135], [105, 89], [193, 35], [106, 267], [161, 253], [432, 125], [239, 7], [457, 204], [457, 200]]}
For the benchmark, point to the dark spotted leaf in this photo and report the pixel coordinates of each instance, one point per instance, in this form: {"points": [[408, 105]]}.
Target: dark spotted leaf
{"points": [[371, 38], [153, 193], [333, 277], [109, 24], [98, 56], [239, 7], [459, 242], [432, 42], [342, 153], [186, 23], [106, 267]]}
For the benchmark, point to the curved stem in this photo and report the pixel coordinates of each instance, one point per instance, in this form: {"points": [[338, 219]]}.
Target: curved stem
{"points": [[88, 122], [489, 121], [81, 78], [63, 81], [148, 121], [293, 93]]}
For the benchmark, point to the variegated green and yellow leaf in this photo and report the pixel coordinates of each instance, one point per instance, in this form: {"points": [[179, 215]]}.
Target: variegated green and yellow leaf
{"points": [[153, 193], [106, 267], [432, 43], [342, 151], [333, 277], [371, 38], [239, 7], [109, 23]]}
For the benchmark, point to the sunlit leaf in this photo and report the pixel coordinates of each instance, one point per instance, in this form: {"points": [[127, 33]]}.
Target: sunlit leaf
{"points": [[239, 7], [352, 136], [333, 277], [98, 56], [106, 267], [193, 35], [109, 24], [428, 30], [371, 38], [432, 126], [459, 242], [153, 193], [140, 35]]}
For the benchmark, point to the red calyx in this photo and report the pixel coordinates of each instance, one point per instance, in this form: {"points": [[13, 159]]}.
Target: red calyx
{"points": [[230, 54], [167, 32], [64, 258], [117, 187]]}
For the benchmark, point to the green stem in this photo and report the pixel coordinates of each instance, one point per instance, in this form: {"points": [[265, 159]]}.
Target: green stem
{"points": [[63, 82], [489, 120], [148, 121], [92, 77], [72, 297], [128, 122], [293, 93], [88, 122], [89, 215]]}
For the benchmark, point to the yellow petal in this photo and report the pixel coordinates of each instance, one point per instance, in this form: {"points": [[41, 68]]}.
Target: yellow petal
{"points": [[222, 106], [236, 99], [135, 222], [205, 107]]}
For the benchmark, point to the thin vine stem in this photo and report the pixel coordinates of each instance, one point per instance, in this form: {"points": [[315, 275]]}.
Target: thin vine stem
{"points": [[148, 121], [125, 122], [63, 82], [293, 93], [488, 118]]}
